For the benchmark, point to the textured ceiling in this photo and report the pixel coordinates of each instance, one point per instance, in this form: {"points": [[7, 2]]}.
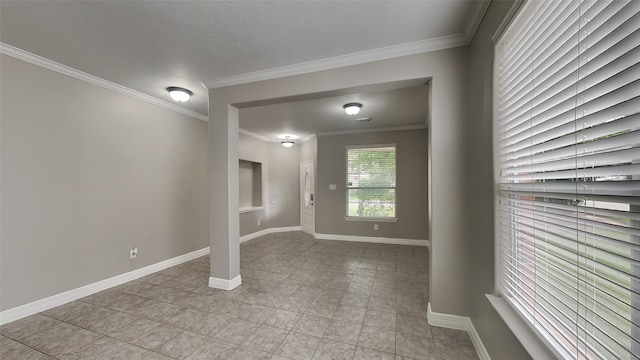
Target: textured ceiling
{"points": [[149, 45]]}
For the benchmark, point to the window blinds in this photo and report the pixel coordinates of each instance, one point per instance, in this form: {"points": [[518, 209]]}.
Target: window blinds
{"points": [[568, 160], [371, 181]]}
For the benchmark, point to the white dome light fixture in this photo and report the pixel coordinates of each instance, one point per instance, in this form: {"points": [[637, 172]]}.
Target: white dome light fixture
{"points": [[287, 142], [179, 94], [352, 108]]}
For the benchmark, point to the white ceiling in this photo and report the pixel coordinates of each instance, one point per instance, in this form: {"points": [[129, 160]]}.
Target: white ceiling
{"points": [[403, 106], [147, 46]]}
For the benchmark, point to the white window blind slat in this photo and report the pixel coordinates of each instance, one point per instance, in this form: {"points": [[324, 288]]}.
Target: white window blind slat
{"points": [[526, 65], [588, 139], [623, 38], [609, 299], [598, 71], [556, 234], [604, 188], [584, 160], [568, 174], [626, 53], [585, 147], [567, 283], [609, 94], [601, 114], [584, 211], [597, 227]]}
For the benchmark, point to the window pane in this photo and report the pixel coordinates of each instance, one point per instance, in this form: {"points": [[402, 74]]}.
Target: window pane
{"points": [[371, 167], [371, 181], [372, 202]]}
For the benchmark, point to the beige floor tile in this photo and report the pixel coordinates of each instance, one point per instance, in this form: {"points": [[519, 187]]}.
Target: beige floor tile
{"points": [[415, 346], [380, 319], [266, 338], [298, 346], [378, 339], [183, 345], [343, 331], [283, 319], [331, 350], [301, 299], [363, 353], [237, 331], [311, 325]]}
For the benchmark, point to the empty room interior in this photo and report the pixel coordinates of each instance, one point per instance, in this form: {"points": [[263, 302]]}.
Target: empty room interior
{"points": [[435, 180]]}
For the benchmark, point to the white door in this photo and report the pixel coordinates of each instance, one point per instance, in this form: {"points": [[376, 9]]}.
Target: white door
{"points": [[307, 198]]}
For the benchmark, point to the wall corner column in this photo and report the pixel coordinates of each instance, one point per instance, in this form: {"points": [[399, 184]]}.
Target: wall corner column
{"points": [[224, 236]]}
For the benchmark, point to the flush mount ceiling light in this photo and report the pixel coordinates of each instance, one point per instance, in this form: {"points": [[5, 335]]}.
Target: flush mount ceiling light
{"points": [[179, 94], [352, 108], [287, 142]]}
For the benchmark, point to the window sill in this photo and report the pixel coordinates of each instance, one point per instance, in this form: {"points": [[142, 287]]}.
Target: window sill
{"points": [[529, 340], [251, 209], [355, 218]]}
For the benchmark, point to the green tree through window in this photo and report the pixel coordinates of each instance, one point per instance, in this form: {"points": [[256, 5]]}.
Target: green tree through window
{"points": [[371, 181]]}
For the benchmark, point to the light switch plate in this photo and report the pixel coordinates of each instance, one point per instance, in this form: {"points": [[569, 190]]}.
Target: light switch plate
{"points": [[332, 186]]}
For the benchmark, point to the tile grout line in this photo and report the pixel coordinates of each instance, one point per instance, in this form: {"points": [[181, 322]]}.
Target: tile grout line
{"points": [[324, 252]]}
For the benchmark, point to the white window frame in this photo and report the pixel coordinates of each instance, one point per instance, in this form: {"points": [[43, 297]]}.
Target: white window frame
{"points": [[395, 188]]}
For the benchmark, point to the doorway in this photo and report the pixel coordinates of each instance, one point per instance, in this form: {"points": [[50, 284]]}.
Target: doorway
{"points": [[307, 191]]}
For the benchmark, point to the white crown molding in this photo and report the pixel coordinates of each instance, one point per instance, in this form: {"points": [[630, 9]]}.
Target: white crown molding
{"points": [[268, 231], [47, 303], [479, 8], [457, 322], [254, 135], [383, 53], [308, 137], [511, 15], [37, 60], [373, 240], [394, 128], [225, 284]]}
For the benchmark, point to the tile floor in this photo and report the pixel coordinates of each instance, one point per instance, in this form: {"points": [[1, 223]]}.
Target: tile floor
{"points": [[300, 298]]}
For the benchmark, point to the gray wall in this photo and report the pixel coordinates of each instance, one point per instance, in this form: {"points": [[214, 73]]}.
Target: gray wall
{"points": [[449, 288], [489, 325], [87, 174], [309, 150], [452, 238], [411, 192], [252, 149], [284, 186], [280, 172], [250, 184]]}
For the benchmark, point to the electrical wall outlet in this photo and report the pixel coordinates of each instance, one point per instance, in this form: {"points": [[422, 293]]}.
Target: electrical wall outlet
{"points": [[258, 222], [375, 226], [133, 253]]}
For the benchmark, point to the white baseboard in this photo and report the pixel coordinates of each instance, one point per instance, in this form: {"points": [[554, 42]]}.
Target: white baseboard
{"points": [[268, 231], [458, 323], [371, 239], [225, 284], [47, 303]]}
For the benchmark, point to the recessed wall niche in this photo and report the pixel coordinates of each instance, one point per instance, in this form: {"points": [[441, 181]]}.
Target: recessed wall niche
{"points": [[250, 179]]}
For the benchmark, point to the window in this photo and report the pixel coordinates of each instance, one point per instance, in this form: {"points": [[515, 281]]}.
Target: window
{"points": [[568, 169], [371, 181]]}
